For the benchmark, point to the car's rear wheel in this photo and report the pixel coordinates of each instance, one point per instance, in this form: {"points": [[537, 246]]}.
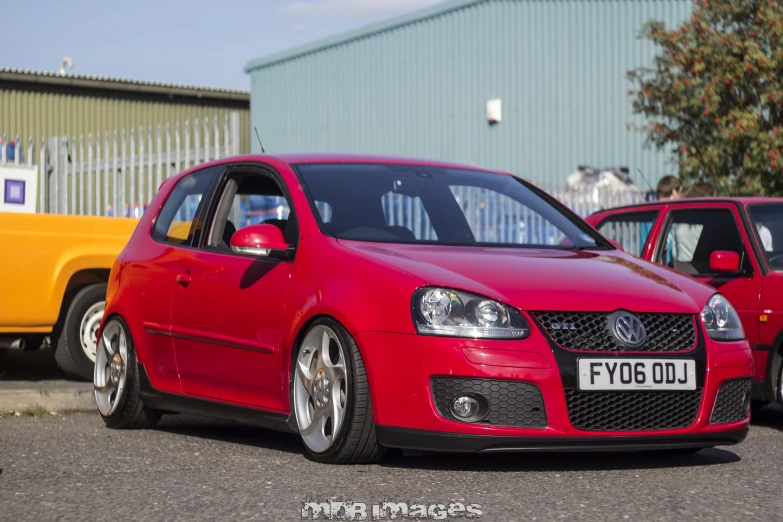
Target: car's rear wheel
{"points": [[780, 385], [76, 337], [116, 380], [330, 397]]}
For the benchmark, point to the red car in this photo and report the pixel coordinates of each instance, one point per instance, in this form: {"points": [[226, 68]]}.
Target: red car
{"points": [[413, 305], [732, 244]]}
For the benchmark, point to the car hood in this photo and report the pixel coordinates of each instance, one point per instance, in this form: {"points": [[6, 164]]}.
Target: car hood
{"points": [[547, 279]]}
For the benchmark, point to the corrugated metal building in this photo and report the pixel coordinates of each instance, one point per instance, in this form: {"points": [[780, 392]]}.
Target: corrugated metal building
{"points": [[43, 105], [419, 85]]}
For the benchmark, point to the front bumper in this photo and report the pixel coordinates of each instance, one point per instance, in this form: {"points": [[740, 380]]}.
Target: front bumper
{"points": [[422, 440], [400, 369]]}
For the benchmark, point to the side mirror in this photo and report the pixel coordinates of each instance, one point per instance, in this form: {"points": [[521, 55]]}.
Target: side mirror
{"points": [[724, 261], [615, 244], [258, 240]]}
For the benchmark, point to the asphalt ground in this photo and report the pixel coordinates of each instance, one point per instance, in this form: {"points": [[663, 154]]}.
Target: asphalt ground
{"points": [[70, 467]]}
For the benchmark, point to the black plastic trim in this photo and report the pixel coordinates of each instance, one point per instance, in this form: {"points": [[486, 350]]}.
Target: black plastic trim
{"points": [[163, 401], [422, 440]]}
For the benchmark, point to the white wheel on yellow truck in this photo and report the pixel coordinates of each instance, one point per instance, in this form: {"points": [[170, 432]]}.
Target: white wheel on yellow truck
{"points": [[75, 337]]}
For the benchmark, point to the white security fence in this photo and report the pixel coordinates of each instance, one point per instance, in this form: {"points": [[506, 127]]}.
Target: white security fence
{"points": [[495, 218], [118, 173]]}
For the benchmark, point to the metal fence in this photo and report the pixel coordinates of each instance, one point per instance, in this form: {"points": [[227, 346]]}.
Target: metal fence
{"points": [[495, 218], [117, 173]]}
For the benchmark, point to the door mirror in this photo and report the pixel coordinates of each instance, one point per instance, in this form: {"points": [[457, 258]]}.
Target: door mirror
{"points": [[724, 261], [258, 240]]}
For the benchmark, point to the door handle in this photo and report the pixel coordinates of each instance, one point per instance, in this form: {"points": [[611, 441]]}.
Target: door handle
{"points": [[184, 279]]}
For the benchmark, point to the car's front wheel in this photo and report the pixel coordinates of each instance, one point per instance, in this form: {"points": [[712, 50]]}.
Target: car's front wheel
{"points": [[330, 397]]}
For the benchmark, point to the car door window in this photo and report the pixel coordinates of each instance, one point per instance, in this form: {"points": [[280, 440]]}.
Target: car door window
{"points": [[630, 230], [179, 221], [249, 198], [692, 235]]}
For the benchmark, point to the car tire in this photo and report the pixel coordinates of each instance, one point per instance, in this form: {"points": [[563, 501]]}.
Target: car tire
{"points": [[85, 309], [319, 386], [117, 367]]}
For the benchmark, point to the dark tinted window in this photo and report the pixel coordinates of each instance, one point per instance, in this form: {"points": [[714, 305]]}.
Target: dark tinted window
{"points": [[768, 221], [410, 204], [693, 235], [630, 230], [178, 221], [249, 198]]}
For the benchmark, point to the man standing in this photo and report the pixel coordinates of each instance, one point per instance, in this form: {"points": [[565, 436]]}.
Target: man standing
{"points": [[686, 235], [669, 187]]}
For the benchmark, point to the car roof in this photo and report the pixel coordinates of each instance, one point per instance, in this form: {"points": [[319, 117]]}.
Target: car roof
{"points": [[326, 157], [689, 201]]}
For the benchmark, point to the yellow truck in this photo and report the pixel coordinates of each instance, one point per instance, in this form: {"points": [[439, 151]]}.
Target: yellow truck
{"points": [[53, 274]]}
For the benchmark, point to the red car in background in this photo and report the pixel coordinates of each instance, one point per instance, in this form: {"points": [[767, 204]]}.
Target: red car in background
{"points": [[389, 311], [732, 244]]}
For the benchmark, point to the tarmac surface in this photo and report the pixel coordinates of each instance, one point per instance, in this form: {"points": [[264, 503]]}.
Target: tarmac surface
{"points": [[70, 467]]}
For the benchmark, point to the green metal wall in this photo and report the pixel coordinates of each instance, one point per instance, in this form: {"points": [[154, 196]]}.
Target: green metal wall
{"points": [[418, 85], [41, 114]]}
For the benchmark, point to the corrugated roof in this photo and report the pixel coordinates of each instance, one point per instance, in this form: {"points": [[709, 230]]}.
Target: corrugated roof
{"points": [[362, 32], [107, 82]]}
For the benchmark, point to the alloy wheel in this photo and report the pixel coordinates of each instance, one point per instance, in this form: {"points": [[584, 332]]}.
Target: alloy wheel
{"points": [[111, 367], [320, 388], [88, 329]]}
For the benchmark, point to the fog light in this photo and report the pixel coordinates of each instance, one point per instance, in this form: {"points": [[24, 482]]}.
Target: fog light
{"points": [[464, 407]]}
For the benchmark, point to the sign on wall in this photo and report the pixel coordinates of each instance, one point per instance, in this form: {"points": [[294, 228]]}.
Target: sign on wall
{"points": [[18, 188]]}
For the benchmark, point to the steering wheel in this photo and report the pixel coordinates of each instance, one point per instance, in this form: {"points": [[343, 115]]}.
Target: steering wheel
{"points": [[776, 258]]}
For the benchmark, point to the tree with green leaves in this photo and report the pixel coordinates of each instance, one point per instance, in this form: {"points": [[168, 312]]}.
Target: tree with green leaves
{"points": [[715, 95]]}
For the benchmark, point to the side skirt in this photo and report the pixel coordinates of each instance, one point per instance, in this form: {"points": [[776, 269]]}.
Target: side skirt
{"points": [[173, 402]]}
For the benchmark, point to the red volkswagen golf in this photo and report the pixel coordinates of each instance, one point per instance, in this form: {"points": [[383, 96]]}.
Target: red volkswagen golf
{"points": [[389, 303]]}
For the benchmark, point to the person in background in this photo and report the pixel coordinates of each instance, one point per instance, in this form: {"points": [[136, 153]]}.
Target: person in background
{"points": [[686, 235], [765, 236], [669, 187], [700, 189]]}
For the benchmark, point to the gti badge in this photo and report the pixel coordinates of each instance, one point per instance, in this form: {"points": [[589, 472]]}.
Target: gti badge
{"points": [[629, 329], [563, 326]]}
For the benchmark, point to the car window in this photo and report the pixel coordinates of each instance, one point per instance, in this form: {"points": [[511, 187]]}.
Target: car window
{"points": [[407, 216], [767, 219], [178, 221], [631, 230], [248, 198], [494, 217], [692, 235], [411, 204]]}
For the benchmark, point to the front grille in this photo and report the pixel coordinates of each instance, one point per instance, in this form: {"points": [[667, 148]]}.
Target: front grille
{"points": [[592, 332], [632, 411], [732, 403], [511, 403]]}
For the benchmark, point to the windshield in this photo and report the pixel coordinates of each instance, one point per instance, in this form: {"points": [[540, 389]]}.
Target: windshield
{"points": [[768, 221], [412, 204]]}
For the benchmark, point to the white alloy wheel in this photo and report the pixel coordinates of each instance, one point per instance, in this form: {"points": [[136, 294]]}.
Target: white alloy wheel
{"points": [[111, 367], [321, 388], [88, 329]]}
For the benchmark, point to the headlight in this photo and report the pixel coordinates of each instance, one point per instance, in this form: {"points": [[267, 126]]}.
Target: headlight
{"points": [[441, 311], [721, 320]]}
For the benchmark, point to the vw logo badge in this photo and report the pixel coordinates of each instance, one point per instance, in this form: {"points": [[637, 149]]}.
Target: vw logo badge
{"points": [[629, 329]]}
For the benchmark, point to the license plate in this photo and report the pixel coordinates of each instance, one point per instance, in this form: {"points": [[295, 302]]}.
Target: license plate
{"points": [[637, 374]]}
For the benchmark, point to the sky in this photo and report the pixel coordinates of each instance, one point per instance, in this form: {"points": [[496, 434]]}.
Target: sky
{"points": [[195, 42]]}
